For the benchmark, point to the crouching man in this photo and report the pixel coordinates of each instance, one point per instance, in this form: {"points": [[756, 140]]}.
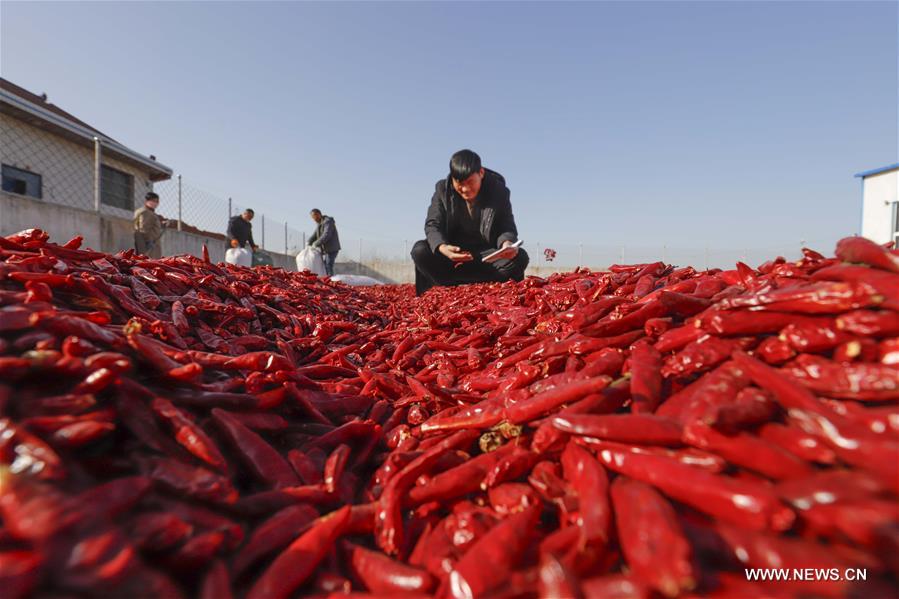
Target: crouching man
{"points": [[470, 217]]}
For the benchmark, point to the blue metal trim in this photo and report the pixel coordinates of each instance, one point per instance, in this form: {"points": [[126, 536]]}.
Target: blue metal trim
{"points": [[877, 171]]}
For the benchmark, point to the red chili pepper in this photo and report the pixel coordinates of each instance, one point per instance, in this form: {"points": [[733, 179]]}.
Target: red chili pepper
{"points": [[634, 428], [266, 502], [591, 483], [547, 436], [879, 323], [688, 456], [808, 447], [733, 500], [501, 548], [556, 580], [865, 251], [831, 486], [262, 460], [297, 563], [616, 586], [389, 518], [216, 584], [646, 378], [511, 466], [460, 480], [748, 451], [158, 532], [188, 434], [25, 453], [853, 443], [717, 388], [888, 352], [651, 538], [273, 535], [825, 297], [480, 415], [509, 498], [677, 338], [700, 355], [526, 410], [743, 322], [750, 407], [773, 350], [334, 467], [855, 349], [380, 574], [861, 381], [188, 480]]}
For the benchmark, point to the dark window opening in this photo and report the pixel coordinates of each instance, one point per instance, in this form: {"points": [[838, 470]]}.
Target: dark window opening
{"points": [[22, 182], [116, 188]]}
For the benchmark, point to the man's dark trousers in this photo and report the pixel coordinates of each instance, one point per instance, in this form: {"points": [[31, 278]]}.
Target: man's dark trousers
{"points": [[436, 269]]}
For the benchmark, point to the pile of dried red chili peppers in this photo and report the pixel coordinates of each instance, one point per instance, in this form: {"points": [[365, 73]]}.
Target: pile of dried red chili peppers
{"points": [[177, 428]]}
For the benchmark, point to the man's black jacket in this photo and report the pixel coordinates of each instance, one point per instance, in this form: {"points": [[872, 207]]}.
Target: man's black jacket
{"points": [[241, 230], [447, 208]]}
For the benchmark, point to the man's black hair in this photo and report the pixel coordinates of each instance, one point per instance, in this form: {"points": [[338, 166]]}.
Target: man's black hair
{"points": [[151, 195], [315, 211], [250, 210], [464, 164]]}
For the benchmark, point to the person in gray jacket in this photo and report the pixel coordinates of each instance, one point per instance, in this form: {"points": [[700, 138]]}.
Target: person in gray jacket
{"points": [[325, 239], [469, 218]]}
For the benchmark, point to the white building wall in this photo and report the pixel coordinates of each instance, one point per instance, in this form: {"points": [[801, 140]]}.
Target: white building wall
{"points": [[879, 195], [66, 168]]}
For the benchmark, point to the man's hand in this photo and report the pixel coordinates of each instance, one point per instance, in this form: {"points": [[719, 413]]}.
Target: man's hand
{"points": [[509, 251], [255, 247], [510, 244], [455, 253]]}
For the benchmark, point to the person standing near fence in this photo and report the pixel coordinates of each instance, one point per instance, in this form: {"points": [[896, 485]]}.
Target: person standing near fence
{"points": [[470, 218], [148, 227], [325, 239], [240, 230]]}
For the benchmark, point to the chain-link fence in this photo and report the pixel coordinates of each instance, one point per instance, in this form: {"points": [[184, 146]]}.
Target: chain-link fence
{"points": [[80, 172], [194, 210]]}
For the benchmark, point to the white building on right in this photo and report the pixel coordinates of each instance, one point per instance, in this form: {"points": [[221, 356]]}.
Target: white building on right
{"points": [[880, 204]]}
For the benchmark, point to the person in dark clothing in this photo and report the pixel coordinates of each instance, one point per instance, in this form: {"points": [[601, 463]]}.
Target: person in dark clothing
{"points": [[325, 239], [240, 230], [469, 218]]}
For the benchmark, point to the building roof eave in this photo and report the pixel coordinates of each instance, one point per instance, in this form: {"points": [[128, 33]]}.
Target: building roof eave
{"points": [[877, 171], [20, 107]]}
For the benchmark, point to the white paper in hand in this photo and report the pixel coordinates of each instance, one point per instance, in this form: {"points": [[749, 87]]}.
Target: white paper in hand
{"points": [[494, 256]]}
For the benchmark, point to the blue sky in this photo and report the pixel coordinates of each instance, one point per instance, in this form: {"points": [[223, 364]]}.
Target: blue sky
{"points": [[732, 125]]}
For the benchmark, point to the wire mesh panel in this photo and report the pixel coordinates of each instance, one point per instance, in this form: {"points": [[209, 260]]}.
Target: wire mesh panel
{"points": [[44, 166], [199, 211]]}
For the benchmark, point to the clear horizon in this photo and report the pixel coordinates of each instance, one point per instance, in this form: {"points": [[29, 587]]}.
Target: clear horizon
{"points": [[707, 130]]}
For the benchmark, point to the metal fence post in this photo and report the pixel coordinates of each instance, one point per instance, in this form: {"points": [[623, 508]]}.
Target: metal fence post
{"points": [[179, 202], [304, 238], [229, 208], [405, 251], [263, 231], [360, 252], [285, 239], [98, 155]]}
